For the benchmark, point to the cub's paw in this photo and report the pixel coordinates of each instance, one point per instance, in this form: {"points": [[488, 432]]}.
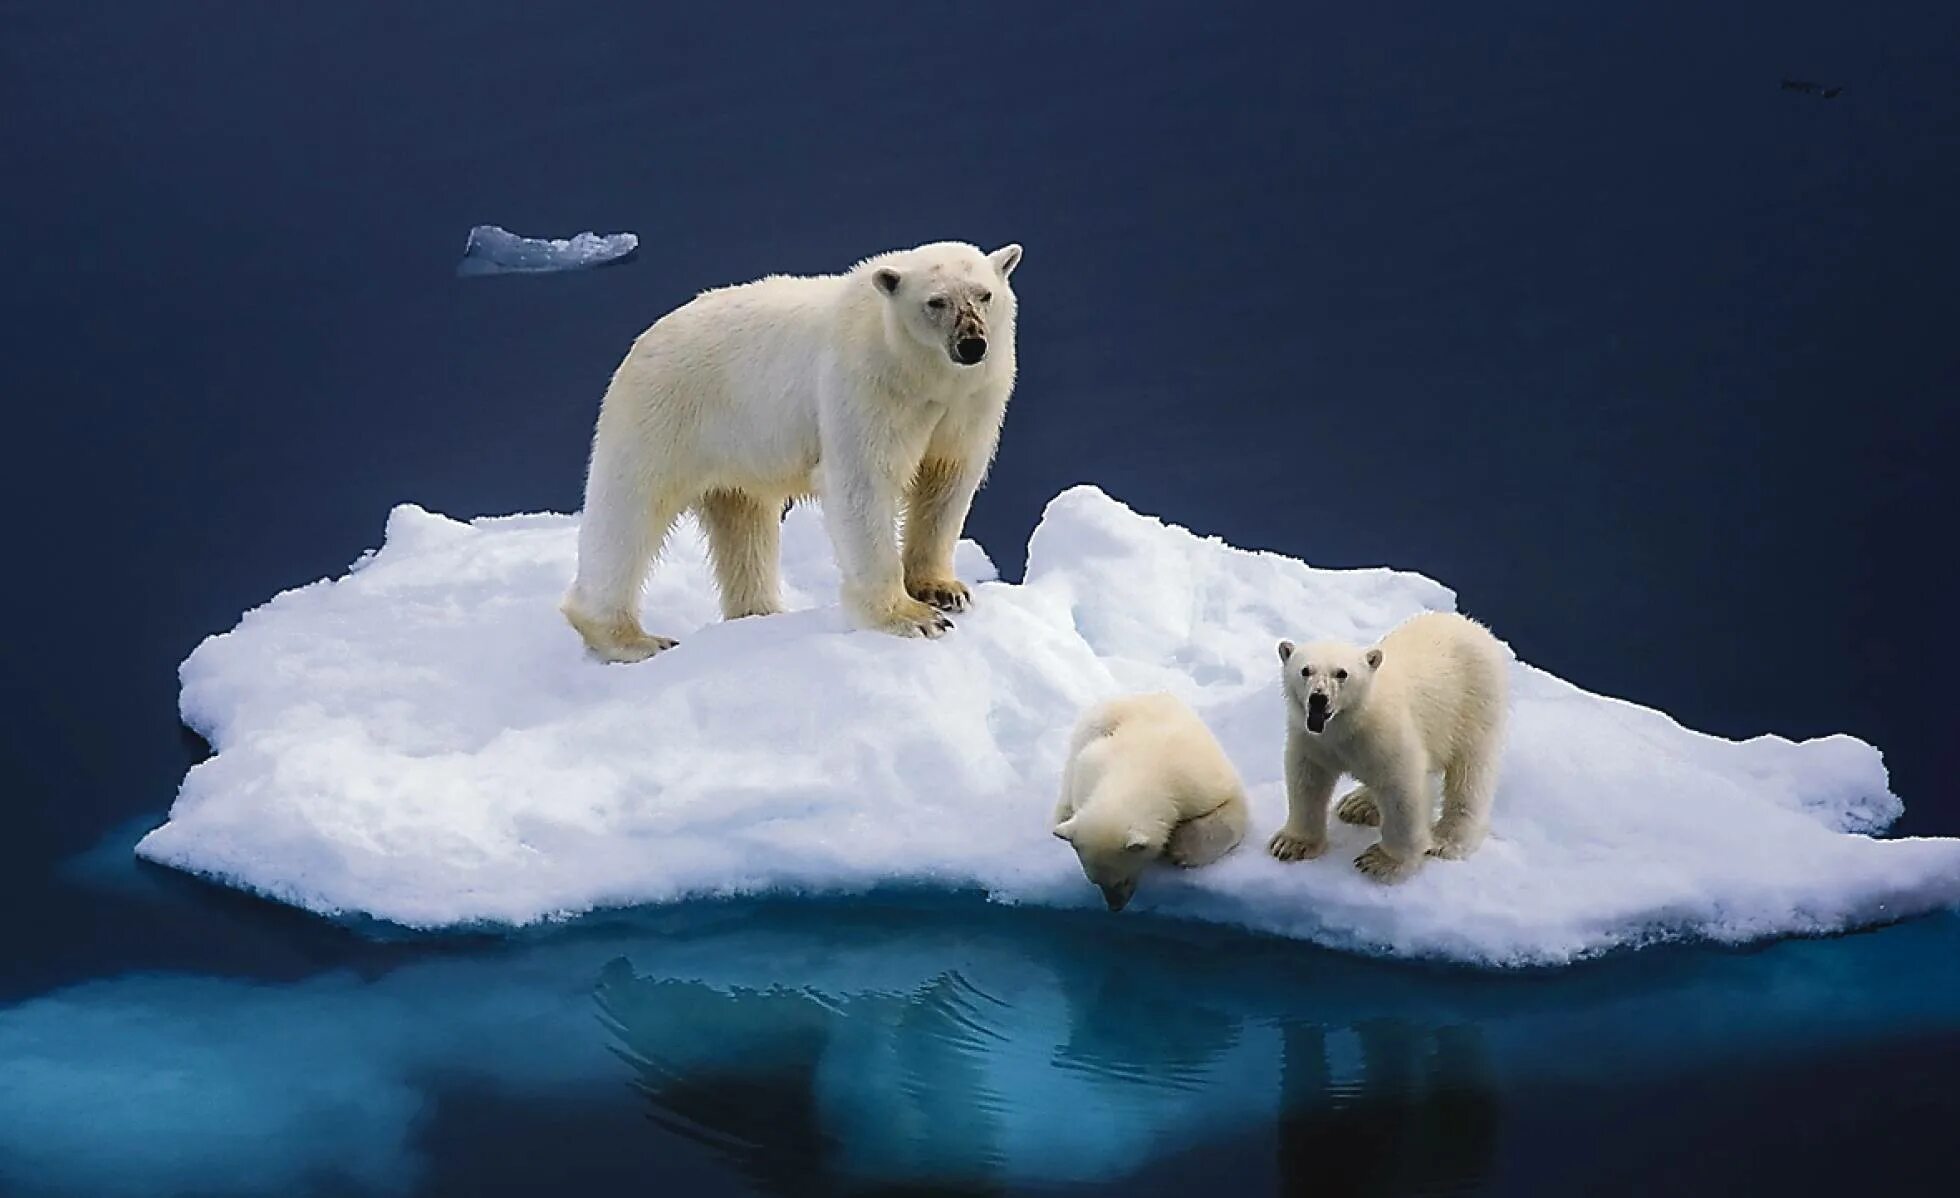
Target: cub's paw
{"points": [[1359, 808], [946, 594], [1292, 846], [913, 618], [1377, 864], [1454, 842]]}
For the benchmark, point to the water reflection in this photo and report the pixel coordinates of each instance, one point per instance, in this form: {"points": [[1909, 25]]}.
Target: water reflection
{"points": [[1081, 1065], [874, 1046], [1420, 1115], [751, 1074]]}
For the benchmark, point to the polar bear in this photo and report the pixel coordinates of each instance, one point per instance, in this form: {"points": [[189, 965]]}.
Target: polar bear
{"points": [[1146, 779], [1429, 699], [881, 389]]}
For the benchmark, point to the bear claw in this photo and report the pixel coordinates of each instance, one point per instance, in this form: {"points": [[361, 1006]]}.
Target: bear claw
{"points": [[1454, 843], [911, 617], [1375, 862], [1290, 846], [1359, 808], [627, 652], [946, 596]]}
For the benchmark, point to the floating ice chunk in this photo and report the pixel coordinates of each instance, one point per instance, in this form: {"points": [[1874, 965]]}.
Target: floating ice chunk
{"points": [[422, 741], [495, 251]]}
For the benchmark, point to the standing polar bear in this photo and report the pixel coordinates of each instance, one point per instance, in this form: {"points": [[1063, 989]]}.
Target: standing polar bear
{"points": [[1429, 699], [881, 389], [1146, 779]]}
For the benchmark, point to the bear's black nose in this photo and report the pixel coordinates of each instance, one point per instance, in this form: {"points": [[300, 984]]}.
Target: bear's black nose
{"points": [[1317, 701], [970, 350]]}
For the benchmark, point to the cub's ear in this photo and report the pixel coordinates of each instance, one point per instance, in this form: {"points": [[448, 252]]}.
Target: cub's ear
{"points": [[1374, 659], [1065, 830], [1286, 650], [1137, 842], [885, 279], [1005, 259]]}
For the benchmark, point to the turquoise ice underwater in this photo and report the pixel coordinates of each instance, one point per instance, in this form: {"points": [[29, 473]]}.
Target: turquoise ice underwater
{"points": [[422, 742]]}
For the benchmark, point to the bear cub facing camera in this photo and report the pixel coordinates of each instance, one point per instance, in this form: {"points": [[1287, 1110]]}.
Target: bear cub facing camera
{"points": [[1429, 699], [1146, 780]]}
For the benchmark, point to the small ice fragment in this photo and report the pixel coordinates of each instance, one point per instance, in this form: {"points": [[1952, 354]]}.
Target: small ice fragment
{"points": [[495, 251]]}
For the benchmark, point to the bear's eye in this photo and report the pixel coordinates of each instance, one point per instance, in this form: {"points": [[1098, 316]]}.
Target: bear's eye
{"points": [[986, 297], [936, 303], [1306, 672], [1340, 675]]}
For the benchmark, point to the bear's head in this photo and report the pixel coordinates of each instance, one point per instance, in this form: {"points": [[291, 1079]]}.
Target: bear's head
{"points": [[1114, 849], [1326, 678], [949, 297]]}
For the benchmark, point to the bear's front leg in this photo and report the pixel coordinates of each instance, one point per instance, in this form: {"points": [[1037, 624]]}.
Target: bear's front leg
{"points": [[1309, 788], [936, 507], [862, 511]]}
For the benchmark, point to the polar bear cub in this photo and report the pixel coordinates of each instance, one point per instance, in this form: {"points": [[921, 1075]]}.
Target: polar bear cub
{"points": [[1146, 779], [1429, 699], [881, 389]]}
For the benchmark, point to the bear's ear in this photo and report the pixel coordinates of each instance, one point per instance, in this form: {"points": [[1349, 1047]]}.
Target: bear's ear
{"points": [[1005, 259], [1065, 830], [885, 279], [1374, 659], [1286, 650], [1137, 842]]}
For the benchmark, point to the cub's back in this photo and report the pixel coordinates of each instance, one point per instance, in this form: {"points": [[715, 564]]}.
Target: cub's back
{"points": [[1163, 742], [1449, 670]]}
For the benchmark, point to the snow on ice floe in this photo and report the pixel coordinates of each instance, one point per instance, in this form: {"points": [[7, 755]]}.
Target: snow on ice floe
{"points": [[494, 251], [422, 741]]}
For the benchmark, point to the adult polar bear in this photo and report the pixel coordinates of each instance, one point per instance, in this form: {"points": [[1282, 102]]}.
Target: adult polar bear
{"points": [[881, 389]]}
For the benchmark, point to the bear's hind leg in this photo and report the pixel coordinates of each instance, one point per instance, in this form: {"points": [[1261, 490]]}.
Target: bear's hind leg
{"points": [[619, 535], [1404, 806], [745, 540], [1469, 784], [1203, 839]]}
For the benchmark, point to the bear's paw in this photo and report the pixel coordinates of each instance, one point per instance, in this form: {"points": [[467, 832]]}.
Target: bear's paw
{"points": [[944, 594], [1359, 808], [1293, 846], [1376, 863]]}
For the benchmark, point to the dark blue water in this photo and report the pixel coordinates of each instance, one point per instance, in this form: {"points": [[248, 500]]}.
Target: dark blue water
{"points": [[1572, 307]]}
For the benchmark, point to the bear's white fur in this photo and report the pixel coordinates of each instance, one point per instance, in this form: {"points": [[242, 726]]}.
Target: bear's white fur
{"points": [[882, 390], [1146, 779], [1428, 699]]}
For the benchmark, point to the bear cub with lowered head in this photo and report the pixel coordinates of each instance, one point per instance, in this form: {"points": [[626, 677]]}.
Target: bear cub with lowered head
{"points": [[1145, 779], [1429, 699], [881, 389]]}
